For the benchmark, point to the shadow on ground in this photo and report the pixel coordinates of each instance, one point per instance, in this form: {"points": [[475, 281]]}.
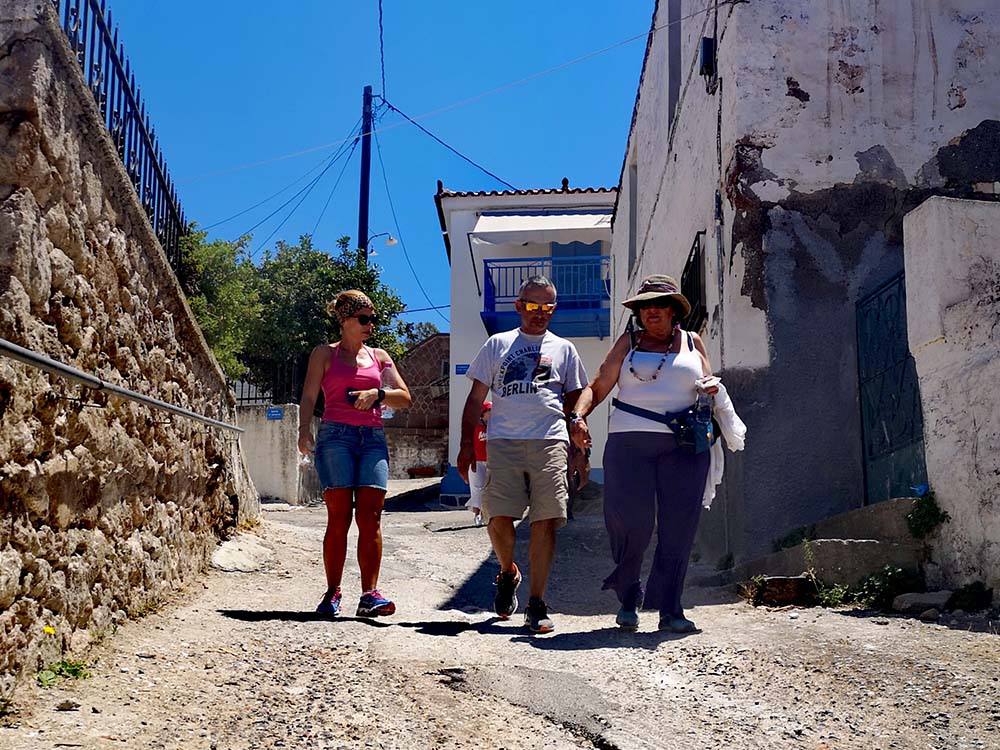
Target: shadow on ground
{"points": [[582, 561]]}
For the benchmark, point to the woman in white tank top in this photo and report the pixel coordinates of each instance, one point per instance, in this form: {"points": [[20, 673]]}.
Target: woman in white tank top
{"points": [[647, 478]]}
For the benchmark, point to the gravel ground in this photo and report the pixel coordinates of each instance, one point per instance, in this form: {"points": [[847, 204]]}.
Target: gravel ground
{"points": [[239, 661]]}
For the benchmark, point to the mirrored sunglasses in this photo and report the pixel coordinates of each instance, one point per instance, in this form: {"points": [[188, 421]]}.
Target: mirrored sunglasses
{"points": [[546, 307], [366, 319]]}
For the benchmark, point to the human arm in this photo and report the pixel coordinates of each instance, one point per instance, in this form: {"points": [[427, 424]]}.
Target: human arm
{"points": [[470, 416], [397, 395], [319, 360], [706, 366], [598, 389]]}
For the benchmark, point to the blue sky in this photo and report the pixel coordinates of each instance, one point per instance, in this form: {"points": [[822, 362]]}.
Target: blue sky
{"points": [[231, 84]]}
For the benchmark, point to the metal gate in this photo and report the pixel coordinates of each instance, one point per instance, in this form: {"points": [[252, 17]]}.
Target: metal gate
{"points": [[892, 421]]}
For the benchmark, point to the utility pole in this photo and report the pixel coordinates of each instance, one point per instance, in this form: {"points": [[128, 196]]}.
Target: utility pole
{"points": [[366, 168]]}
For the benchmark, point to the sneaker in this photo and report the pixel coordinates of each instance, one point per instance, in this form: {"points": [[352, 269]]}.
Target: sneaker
{"points": [[505, 601], [536, 617], [627, 620], [677, 624], [477, 520], [628, 615], [373, 604], [330, 606]]}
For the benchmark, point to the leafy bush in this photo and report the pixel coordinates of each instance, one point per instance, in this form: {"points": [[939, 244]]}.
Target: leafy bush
{"points": [[879, 589], [925, 516]]}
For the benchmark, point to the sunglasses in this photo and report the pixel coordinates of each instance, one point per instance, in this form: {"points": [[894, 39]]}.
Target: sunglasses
{"points": [[546, 307], [655, 304], [366, 319]]}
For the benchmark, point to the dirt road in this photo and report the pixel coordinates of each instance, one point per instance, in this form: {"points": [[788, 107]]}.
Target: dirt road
{"points": [[239, 661]]}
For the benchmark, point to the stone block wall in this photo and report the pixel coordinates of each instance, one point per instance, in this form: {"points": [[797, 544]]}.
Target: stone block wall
{"points": [[423, 367], [106, 504], [953, 319], [411, 447]]}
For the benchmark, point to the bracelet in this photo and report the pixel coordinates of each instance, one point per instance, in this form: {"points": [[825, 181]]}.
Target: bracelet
{"points": [[574, 417]]}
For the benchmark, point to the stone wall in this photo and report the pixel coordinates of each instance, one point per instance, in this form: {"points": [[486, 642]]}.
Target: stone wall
{"points": [[953, 317], [424, 367], [107, 505], [829, 123]]}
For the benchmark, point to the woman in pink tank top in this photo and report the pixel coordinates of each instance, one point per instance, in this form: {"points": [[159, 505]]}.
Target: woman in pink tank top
{"points": [[351, 455]]}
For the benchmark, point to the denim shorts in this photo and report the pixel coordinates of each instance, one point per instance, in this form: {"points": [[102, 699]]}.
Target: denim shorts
{"points": [[349, 456]]}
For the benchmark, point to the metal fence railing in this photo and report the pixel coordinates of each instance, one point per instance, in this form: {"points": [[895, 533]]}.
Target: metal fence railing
{"points": [[693, 285], [272, 382], [88, 26], [581, 281]]}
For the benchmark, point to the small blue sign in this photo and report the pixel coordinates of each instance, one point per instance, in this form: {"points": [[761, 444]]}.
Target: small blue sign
{"points": [[275, 412], [461, 369]]}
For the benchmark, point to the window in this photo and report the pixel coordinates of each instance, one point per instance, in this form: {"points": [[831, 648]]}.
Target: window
{"points": [[693, 285], [633, 216], [445, 367]]}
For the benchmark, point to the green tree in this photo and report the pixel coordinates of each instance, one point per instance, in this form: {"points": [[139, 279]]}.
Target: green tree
{"points": [[221, 285], [412, 334], [297, 283]]}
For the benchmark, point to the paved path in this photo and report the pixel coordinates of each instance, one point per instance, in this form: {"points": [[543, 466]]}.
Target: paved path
{"points": [[238, 661]]}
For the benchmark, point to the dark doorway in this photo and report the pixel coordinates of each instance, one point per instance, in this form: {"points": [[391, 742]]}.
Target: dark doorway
{"points": [[892, 421]]}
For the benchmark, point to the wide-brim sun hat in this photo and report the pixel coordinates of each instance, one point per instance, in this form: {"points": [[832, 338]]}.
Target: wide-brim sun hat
{"points": [[658, 286]]}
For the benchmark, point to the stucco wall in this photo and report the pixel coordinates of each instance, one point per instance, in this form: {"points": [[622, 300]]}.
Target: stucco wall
{"points": [[271, 450], [830, 122], [106, 506], [953, 312]]}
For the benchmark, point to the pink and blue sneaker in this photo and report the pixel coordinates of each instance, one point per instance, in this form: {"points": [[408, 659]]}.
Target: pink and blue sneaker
{"points": [[330, 606], [373, 604]]}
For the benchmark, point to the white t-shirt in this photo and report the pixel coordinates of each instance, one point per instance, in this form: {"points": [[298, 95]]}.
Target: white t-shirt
{"points": [[528, 376]]}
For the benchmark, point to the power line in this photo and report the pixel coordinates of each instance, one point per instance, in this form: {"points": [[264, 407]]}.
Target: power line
{"points": [[422, 309], [334, 188], [308, 189], [279, 192], [399, 235], [483, 95], [381, 45], [332, 160], [450, 148]]}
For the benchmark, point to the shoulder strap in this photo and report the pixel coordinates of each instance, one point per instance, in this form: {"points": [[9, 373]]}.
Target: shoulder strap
{"points": [[690, 341]]}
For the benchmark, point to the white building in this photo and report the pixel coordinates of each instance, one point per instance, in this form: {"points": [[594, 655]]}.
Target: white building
{"points": [[496, 240]]}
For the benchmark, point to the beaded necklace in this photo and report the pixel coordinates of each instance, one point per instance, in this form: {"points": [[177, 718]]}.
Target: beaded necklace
{"points": [[663, 361]]}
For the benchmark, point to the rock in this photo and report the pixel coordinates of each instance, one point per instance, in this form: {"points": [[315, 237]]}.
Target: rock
{"points": [[917, 602], [67, 705], [243, 554], [930, 615], [780, 591]]}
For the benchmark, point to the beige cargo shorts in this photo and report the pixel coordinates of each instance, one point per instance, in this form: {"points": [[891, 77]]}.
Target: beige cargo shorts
{"points": [[527, 475]]}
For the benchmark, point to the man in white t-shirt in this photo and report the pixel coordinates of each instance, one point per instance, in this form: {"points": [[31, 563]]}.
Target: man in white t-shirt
{"points": [[536, 378]]}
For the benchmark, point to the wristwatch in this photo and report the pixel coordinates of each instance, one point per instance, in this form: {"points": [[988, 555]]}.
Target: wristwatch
{"points": [[574, 417], [381, 396]]}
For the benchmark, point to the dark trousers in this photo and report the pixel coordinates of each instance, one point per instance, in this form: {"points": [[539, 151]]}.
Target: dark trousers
{"points": [[646, 479]]}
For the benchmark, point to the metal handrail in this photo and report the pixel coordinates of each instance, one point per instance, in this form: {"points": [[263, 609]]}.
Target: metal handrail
{"points": [[51, 366]]}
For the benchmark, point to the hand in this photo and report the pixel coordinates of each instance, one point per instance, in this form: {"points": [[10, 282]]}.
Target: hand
{"points": [[365, 399], [580, 434], [306, 443], [707, 384], [466, 456], [581, 469]]}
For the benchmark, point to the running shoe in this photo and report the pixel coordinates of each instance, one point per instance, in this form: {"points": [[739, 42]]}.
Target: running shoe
{"points": [[677, 624], [373, 604], [330, 606], [536, 617], [505, 601]]}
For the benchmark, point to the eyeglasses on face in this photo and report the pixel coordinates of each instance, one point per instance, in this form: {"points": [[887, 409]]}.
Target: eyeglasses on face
{"points": [[366, 319], [546, 307], [655, 304]]}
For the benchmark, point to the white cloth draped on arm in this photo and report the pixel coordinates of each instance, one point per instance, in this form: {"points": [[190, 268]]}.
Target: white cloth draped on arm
{"points": [[734, 432]]}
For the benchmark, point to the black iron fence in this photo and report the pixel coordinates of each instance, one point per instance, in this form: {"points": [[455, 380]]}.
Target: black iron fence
{"points": [[272, 382], [88, 26], [693, 285]]}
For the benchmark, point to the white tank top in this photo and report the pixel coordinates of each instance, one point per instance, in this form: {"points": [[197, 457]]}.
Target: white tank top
{"points": [[673, 389]]}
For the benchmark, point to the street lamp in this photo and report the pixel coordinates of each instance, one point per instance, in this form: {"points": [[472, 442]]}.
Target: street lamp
{"points": [[390, 241]]}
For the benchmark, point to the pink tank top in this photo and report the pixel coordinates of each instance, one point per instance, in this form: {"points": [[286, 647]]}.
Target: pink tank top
{"points": [[341, 378]]}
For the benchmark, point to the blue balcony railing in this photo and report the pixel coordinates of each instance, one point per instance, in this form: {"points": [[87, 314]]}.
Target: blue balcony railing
{"points": [[583, 284]]}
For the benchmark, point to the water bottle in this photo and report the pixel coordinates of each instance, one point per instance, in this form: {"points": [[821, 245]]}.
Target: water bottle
{"points": [[704, 429]]}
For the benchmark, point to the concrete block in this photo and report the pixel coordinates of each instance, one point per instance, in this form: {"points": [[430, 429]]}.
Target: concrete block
{"points": [[917, 602], [834, 561]]}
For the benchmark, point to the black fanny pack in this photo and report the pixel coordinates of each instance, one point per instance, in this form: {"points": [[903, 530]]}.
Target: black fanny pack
{"points": [[694, 428]]}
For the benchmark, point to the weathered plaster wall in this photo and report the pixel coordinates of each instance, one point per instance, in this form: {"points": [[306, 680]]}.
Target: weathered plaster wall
{"points": [[830, 122], [271, 450], [953, 312], [412, 447], [108, 506]]}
